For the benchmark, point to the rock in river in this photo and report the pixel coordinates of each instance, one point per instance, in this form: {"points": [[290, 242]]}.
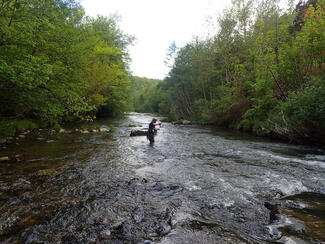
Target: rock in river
{"points": [[103, 129], [139, 133], [4, 159], [47, 172]]}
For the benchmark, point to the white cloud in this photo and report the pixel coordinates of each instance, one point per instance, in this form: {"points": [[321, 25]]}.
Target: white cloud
{"points": [[156, 24]]}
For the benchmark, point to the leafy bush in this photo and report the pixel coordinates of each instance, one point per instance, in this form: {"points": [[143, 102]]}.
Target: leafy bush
{"points": [[10, 127], [111, 128], [57, 127], [204, 111], [305, 109], [256, 118]]}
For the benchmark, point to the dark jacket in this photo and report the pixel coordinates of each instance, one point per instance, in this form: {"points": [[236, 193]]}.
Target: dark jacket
{"points": [[151, 130]]}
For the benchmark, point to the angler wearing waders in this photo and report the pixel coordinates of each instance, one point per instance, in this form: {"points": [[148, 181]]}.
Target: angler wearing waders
{"points": [[151, 131]]}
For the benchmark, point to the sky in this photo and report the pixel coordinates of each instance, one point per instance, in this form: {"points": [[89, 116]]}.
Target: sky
{"points": [[156, 24]]}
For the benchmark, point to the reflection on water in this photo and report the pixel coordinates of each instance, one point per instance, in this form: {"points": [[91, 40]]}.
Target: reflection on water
{"points": [[194, 185]]}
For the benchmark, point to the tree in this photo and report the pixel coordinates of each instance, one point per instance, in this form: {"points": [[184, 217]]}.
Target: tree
{"points": [[57, 64]]}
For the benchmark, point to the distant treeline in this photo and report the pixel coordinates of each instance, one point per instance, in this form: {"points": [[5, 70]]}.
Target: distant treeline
{"points": [[144, 96], [263, 71], [57, 64]]}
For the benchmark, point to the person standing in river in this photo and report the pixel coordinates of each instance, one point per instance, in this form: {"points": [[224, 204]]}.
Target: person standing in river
{"points": [[151, 130]]}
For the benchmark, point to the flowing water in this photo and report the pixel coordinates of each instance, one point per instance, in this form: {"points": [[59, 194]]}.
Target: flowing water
{"points": [[194, 185]]}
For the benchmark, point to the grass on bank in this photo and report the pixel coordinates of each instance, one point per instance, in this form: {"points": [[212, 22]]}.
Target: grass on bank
{"points": [[9, 127]]}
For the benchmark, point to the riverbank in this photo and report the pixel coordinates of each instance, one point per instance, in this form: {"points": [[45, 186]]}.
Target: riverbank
{"points": [[283, 134], [10, 127], [15, 131]]}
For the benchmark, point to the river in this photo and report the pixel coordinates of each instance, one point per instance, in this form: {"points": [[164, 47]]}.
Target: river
{"points": [[194, 185]]}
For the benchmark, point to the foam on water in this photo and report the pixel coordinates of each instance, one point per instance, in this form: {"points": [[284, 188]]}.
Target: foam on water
{"points": [[291, 187], [306, 161]]}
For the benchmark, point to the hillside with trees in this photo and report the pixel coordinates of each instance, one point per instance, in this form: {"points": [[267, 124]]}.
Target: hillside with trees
{"points": [[263, 71]]}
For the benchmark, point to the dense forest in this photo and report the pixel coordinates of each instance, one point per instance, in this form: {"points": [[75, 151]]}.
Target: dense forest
{"points": [[144, 97], [263, 71], [58, 65]]}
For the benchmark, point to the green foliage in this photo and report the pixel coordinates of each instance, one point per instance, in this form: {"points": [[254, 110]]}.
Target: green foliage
{"points": [[259, 72], [9, 127], [84, 127], [172, 114], [58, 65], [112, 128], [57, 127], [305, 109], [204, 114], [145, 95]]}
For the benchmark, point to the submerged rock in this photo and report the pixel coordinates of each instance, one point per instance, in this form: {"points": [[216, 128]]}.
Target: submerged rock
{"points": [[105, 234], [16, 158], [47, 172], [296, 218], [4, 159], [139, 133], [103, 129]]}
